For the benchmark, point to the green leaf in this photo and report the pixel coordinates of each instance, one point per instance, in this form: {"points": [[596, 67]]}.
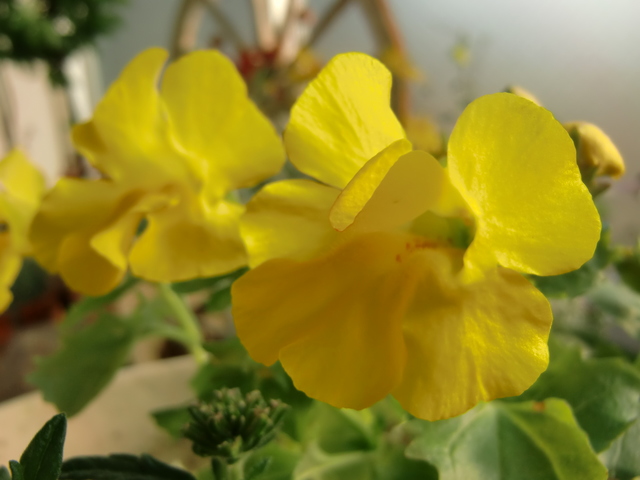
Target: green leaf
{"points": [[507, 441], [603, 393], [43, 457], [85, 364], [198, 284], [338, 430], [623, 457], [318, 465], [391, 463], [219, 300], [4, 473], [17, 472], [628, 266], [280, 459], [121, 467], [82, 309], [173, 420]]}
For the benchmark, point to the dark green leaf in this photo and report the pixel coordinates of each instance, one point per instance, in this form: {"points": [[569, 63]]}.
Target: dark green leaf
{"points": [[198, 284], [17, 472], [43, 457], [172, 420], [4, 473], [623, 457], [219, 300], [121, 467], [506, 441], [603, 393], [85, 364]]}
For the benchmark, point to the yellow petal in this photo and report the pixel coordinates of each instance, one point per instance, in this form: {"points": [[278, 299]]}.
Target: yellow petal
{"points": [[515, 166], [215, 121], [21, 189], [334, 322], [128, 137], [390, 190], [72, 206], [10, 263], [289, 219], [20, 179], [342, 119], [471, 343], [596, 150], [85, 270], [186, 242]]}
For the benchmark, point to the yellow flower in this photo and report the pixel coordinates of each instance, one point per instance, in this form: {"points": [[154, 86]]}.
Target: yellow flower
{"points": [[363, 287], [21, 188], [169, 156], [597, 154]]}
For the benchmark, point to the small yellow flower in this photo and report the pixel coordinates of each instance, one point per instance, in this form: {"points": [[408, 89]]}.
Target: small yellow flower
{"points": [[524, 93], [21, 189], [425, 135], [360, 285], [596, 151], [169, 156]]}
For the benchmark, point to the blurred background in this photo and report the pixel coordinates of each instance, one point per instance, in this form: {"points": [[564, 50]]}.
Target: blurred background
{"points": [[580, 58]]}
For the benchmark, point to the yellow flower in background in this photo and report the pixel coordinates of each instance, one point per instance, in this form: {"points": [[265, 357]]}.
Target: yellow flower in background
{"points": [[170, 156], [424, 134], [596, 151], [362, 284], [21, 189]]}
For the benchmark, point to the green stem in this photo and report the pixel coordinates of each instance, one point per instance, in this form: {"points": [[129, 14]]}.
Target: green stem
{"points": [[220, 468], [186, 320]]}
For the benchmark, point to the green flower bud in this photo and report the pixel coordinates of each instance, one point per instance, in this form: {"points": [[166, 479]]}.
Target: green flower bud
{"points": [[232, 423]]}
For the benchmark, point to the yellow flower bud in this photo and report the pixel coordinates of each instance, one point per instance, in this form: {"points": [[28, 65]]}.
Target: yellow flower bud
{"points": [[596, 150], [521, 92]]}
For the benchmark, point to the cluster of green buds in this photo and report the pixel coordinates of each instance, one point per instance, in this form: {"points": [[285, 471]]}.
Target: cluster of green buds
{"points": [[233, 423]]}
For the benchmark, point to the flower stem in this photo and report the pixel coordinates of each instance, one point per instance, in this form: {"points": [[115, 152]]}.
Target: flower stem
{"points": [[220, 469], [186, 320]]}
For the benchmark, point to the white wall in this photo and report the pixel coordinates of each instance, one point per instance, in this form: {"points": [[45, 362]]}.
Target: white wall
{"points": [[581, 58]]}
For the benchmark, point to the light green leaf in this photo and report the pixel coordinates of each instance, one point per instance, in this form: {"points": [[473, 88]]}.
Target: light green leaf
{"points": [[4, 473], [318, 465], [603, 393], [278, 459], [87, 361], [509, 441]]}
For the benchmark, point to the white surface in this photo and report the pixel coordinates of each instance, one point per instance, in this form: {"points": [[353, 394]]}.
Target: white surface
{"points": [[118, 421]]}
